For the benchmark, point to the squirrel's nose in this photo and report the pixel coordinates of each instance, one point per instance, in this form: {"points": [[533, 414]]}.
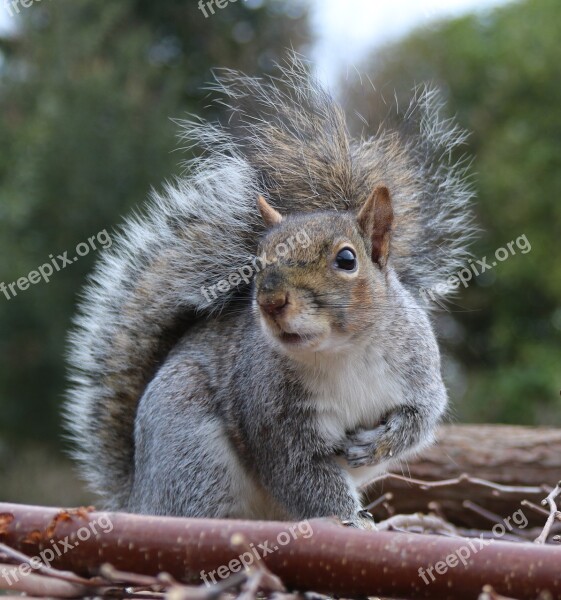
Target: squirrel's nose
{"points": [[274, 304]]}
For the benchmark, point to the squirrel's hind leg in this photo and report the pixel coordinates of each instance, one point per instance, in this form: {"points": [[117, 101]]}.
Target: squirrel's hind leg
{"points": [[184, 465]]}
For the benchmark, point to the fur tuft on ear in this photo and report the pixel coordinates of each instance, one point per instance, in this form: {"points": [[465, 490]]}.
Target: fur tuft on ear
{"points": [[269, 214], [375, 219]]}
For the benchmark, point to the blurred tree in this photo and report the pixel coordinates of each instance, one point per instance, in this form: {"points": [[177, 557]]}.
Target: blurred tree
{"points": [[87, 90], [499, 72]]}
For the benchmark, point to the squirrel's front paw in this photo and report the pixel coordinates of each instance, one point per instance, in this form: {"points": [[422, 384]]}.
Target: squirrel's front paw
{"points": [[367, 447]]}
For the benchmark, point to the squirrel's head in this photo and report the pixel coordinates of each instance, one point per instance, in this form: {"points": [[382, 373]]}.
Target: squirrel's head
{"points": [[322, 276]]}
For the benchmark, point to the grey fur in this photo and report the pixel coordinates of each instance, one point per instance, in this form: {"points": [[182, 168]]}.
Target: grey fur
{"points": [[205, 370]]}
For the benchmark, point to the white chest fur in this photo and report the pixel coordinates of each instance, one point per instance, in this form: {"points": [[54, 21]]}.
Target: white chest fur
{"points": [[354, 393]]}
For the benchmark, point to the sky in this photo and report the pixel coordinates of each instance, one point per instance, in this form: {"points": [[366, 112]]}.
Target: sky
{"points": [[349, 29]]}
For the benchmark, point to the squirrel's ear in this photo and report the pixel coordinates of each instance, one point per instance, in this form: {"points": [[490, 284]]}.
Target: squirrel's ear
{"points": [[269, 214], [376, 219]]}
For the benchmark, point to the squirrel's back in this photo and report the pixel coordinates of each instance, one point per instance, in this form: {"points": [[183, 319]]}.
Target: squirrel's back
{"points": [[287, 140]]}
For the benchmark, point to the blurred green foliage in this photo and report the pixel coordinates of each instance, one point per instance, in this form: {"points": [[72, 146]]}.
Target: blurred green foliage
{"points": [[87, 90], [499, 72]]}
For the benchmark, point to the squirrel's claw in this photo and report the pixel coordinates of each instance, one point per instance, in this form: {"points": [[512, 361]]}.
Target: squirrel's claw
{"points": [[362, 520]]}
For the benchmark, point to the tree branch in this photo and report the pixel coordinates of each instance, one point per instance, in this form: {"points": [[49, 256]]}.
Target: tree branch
{"points": [[333, 560]]}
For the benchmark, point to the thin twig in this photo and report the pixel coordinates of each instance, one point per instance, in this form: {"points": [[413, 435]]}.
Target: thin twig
{"points": [[109, 572], [387, 497], [426, 523], [491, 517], [49, 571], [553, 513], [535, 508], [426, 485], [34, 584], [436, 508], [206, 592], [489, 593], [267, 580]]}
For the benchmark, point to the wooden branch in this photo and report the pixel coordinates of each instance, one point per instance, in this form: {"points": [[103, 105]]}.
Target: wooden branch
{"points": [[508, 455], [334, 560], [521, 459]]}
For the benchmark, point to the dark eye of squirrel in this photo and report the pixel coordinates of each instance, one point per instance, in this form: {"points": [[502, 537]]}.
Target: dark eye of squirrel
{"points": [[346, 260]]}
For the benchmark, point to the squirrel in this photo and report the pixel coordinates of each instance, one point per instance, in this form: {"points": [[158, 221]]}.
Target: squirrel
{"points": [[200, 391]]}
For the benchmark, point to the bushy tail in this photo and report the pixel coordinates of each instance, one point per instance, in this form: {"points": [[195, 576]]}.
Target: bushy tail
{"points": [[287, 139]]}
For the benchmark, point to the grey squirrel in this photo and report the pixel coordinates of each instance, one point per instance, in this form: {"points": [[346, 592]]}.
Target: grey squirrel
{"points": [[199, 392]]}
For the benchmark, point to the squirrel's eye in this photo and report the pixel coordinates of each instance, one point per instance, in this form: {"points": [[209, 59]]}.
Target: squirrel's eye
{"points": [[346, 260]]}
